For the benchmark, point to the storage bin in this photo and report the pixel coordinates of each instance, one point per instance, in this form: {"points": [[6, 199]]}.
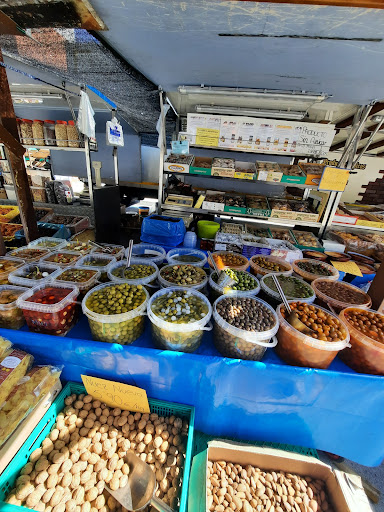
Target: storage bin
{"points": [[61, 134], [18, 277], [238, 343], [182, 337], [186, 256], [79, 247], [48, 242], [207, 229], [49, 132], [11, 317], [47, 423], [123, 328], [259, 271], [311, 276], [299, 349], [56, 318], [8, 213], [38, 132], [99, 262], [116, 271], [29, 254], [89, 278], [150, 252], [164, 283], [62, 258], [339, 288], [216, 290], [366, 355], [39, 194], [272, 296], [7, 265], [221, 261]]}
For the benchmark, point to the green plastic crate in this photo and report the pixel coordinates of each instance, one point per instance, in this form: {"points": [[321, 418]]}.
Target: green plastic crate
{"points": [[10, 474]]}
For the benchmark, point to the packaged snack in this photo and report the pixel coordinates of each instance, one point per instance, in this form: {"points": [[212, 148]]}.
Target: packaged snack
{"points": [[12, 367], [5, 347]]}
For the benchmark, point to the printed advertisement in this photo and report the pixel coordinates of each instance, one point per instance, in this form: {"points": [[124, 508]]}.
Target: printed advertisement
{"points": [[228, 132], [246, 133]]}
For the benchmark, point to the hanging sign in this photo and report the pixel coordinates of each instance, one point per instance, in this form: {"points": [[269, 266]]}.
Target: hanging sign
{"points": [[117, 394], [349, 267], [333, 179], [207, 137]]}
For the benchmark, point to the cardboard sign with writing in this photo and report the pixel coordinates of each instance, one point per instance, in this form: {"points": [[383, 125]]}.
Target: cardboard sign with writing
{"points": [[117, 394], [334, 179], [349, 267], [207, 137]]}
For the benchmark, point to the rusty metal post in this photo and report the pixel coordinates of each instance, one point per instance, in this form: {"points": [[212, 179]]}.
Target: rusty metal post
{"points": [[19, 173]]}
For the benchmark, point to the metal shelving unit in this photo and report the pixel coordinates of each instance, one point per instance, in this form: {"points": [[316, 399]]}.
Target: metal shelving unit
{"points": [[54, 148]]}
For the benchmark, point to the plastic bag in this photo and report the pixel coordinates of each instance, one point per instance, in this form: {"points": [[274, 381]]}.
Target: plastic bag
{"points": [[168, 231], [63, 193], [85, 121], [114, 133]]}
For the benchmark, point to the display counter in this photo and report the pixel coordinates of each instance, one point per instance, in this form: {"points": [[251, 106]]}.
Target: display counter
{"points": [[336, 410]]}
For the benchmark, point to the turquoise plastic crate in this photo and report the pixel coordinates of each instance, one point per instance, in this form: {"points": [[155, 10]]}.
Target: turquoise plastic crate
{"points": [[10, 474]]}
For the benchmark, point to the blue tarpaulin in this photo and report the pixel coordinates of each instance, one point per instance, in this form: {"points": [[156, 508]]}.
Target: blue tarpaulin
{"points": [[336, 410]]}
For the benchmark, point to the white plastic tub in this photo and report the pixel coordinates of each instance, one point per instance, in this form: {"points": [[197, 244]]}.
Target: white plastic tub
{"points": [[117, 250], [273, 297], [18, 276], [179, 337], [99, 262], [48, 242], [186, 253], [11, 317], [149, 252], [217, 290], [238, 343], [166, 284], [83, 286], [150, 282], [123, 328]]}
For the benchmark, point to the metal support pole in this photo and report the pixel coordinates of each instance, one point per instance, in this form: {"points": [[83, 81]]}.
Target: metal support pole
{"points": [[358, 125], [368, 143], [163, 142], [114, 154], [88, 164]]}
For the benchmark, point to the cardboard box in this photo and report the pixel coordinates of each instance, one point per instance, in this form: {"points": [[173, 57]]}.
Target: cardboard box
{"points": [[210, 204], [258, 212], [181, 166], [196, 167], [312, 172], [318, 202], [292, 174], [344, 491], [228, 242], [17, 439], [235, 209], [241, 174], [224, 167], [270, 176], [344, 216]]}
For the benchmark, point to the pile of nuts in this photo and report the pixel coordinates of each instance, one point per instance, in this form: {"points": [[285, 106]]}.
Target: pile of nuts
{"points": [[306, 239], [225, 163], [268, 264], [246, 313], [228, 259], [232, 487], [86, 450], [236, 201]]}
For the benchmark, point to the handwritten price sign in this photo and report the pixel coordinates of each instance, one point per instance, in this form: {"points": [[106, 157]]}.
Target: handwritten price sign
{"points": [[116, 394]]}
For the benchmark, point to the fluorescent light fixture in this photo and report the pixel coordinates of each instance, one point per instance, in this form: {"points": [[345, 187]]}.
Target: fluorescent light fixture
{"points": [[19, 97], [260, 221], [254, 112], [254, 93]]}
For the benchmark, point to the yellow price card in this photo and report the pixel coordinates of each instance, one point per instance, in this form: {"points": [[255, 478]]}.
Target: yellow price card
{"points": [[333, 179], [117, 394], [349, 267], [207, 137]]}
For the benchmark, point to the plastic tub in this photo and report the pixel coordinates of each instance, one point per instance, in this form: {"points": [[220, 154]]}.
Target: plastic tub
{"points": [[11, 317], [181, 337], [150, 252], [338, 289], [166, 284], [298, 349], [19, 278], [239, 344], [150, 282], [366, 355], [259, 271], [123, 328], [207, 229], [48, 242], [189, 257], [80, 247], [29, 254], [273, 297], [220, 260], [88, 282], [56, 318], [71, 258], [99, 262], [8, 265], [217, 290], [309, 276], [117, 250]]}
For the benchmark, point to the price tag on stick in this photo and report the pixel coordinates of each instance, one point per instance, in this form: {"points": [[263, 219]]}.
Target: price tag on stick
{"points": [[333, 179], [117, 394]]}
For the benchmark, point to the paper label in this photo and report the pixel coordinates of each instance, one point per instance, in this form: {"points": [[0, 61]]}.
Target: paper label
{"points": [[207, 137], [11, 362], [117, 394], [334, 179], [180, 147], [349, 267]]}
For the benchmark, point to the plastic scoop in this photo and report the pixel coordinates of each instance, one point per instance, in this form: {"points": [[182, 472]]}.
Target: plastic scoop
{"points": [[292, 319], [140, 489], [223, 279], [104, 249]]}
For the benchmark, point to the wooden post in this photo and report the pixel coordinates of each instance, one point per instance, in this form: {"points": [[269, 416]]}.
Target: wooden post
{"points": [[10, 137]]}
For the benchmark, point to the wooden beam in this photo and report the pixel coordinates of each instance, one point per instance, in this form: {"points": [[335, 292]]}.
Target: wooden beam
{"points": [[19, 172], [368, 4], [377, 107], [375, 145], [341, 144]]}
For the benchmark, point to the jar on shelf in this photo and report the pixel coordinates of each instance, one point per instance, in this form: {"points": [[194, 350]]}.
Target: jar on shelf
{"points": [[61, 134], [38, 132], [49, 132], [26, 131], [73, 135]]}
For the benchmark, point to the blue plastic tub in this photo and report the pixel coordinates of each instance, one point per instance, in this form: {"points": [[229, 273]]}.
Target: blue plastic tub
{"points": [[10, 474]]}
